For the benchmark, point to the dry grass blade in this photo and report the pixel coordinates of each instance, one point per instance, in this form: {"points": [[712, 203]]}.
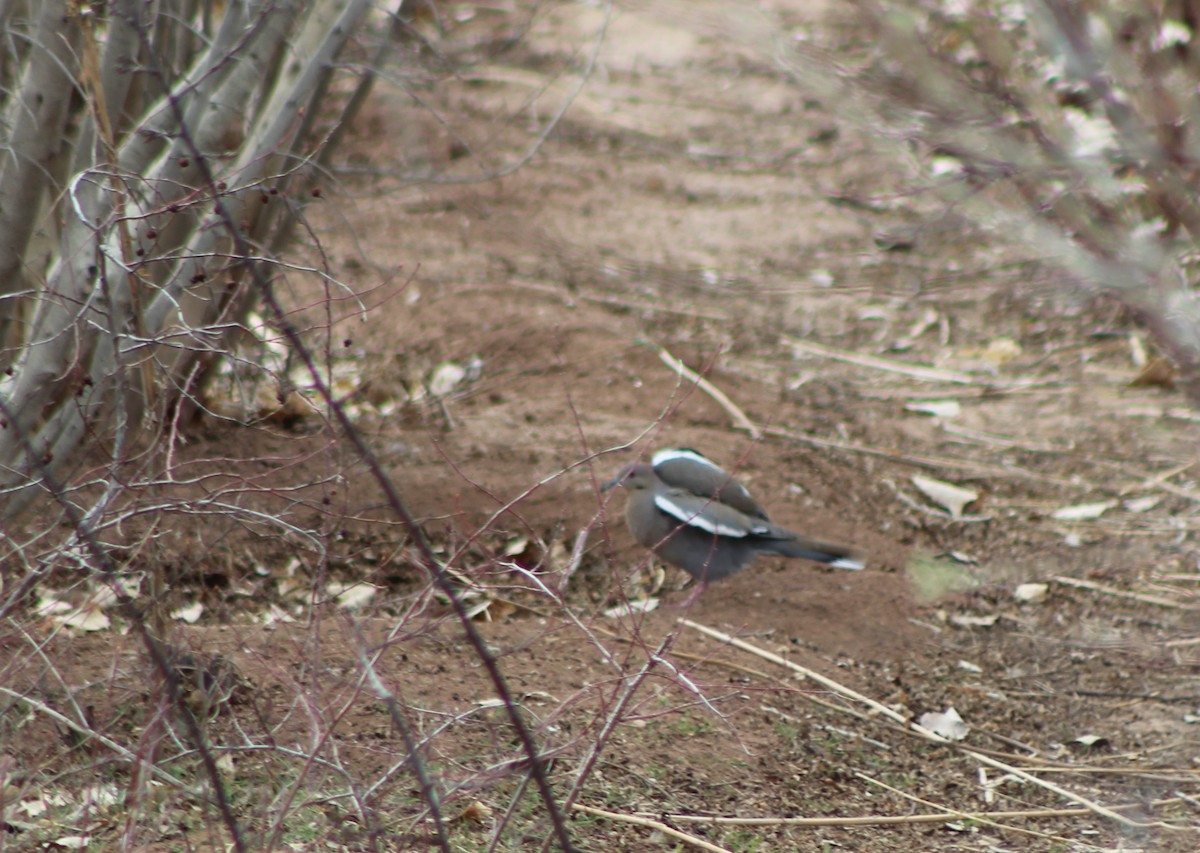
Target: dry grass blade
{"points": [[1145, 598], [914, 371], [669, 831], [930, 463], [90, 734], [885, 711], [900, 820], [988, 820], [739, 417]]}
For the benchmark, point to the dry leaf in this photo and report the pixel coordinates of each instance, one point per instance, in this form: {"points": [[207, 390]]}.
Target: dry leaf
{"points": [[476, 812], [1139, 505], [1157, 372], [644, 605], [189, 614], [445, 378], [89, 617], [274, 614], [953, 498], [966, 620], [1083, 512], [1000, 352], [491, 610], [48, 605], [351, 596], [1031, 593], [948, 724]]}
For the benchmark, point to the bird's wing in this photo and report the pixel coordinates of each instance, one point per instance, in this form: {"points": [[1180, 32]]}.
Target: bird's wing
{"points": [[683, 468], [710, 515]]}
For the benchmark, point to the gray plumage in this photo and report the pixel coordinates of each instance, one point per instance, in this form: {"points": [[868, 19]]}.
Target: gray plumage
{"points": [[696, 516]]}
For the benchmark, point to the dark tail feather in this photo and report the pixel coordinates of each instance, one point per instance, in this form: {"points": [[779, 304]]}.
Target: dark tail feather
{"points": [[820, 552]]}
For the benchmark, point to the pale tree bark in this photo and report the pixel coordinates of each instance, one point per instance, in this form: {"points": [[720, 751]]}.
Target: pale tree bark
{"points": [[143, 279], [35, 121]]}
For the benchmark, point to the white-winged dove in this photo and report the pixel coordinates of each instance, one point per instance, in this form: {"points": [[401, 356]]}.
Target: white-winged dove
{"points": [[696, 516]]}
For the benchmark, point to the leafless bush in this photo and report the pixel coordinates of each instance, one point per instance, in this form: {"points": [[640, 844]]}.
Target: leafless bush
{"points": [[145, 185], [157, 159], [1066, 129]]}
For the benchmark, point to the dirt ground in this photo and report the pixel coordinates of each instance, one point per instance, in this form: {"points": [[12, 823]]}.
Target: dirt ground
{"points": [[692, 203]]}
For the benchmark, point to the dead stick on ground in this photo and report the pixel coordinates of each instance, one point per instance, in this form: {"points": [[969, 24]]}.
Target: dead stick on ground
{"points": [[884, 710], [1120, 593], [984, 818], [899, 820], [653, 824], [927, 462], [915, 371], [739, 417]]}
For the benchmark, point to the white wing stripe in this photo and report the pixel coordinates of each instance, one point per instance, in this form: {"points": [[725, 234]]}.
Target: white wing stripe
{"points": [[694, 519], [676, 453]]}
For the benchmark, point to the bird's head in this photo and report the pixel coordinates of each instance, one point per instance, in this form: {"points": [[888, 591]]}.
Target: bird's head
{"points": [[637, 475]]}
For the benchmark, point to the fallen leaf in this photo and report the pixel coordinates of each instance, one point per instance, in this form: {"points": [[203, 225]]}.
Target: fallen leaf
{"points": [[953, 498], [1083, 512], [352, 596], [644, 605], [966, 620], [189, 614], [1139, 505], [970, 667], [1000, 352], [1031, 593], [445, 378], [948, 724], [88, 617], [48, 605], [476, 812], [275, 614], [1157, 372], [491, 610]]}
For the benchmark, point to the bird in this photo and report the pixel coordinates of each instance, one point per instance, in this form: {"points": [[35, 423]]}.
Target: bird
{"points": [[694, 515]]}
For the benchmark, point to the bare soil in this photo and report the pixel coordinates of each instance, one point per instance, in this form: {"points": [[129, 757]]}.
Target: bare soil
{"points": [[691, 201]]}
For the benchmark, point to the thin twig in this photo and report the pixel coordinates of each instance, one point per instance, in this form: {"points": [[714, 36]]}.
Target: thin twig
{"points": [[739, 417], [1145, 598], [899, 820], [568, 297], [652, 824], [932, 463], [895, 716], [92, 734], [985, 818], [914, 371], [577, 552]]}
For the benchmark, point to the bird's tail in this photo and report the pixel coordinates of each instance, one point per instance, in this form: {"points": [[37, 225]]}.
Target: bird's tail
{"points": [[821, 552]]}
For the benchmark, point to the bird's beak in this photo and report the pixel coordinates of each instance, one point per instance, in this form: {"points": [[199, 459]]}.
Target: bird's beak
{"points": [[615, 481]]}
